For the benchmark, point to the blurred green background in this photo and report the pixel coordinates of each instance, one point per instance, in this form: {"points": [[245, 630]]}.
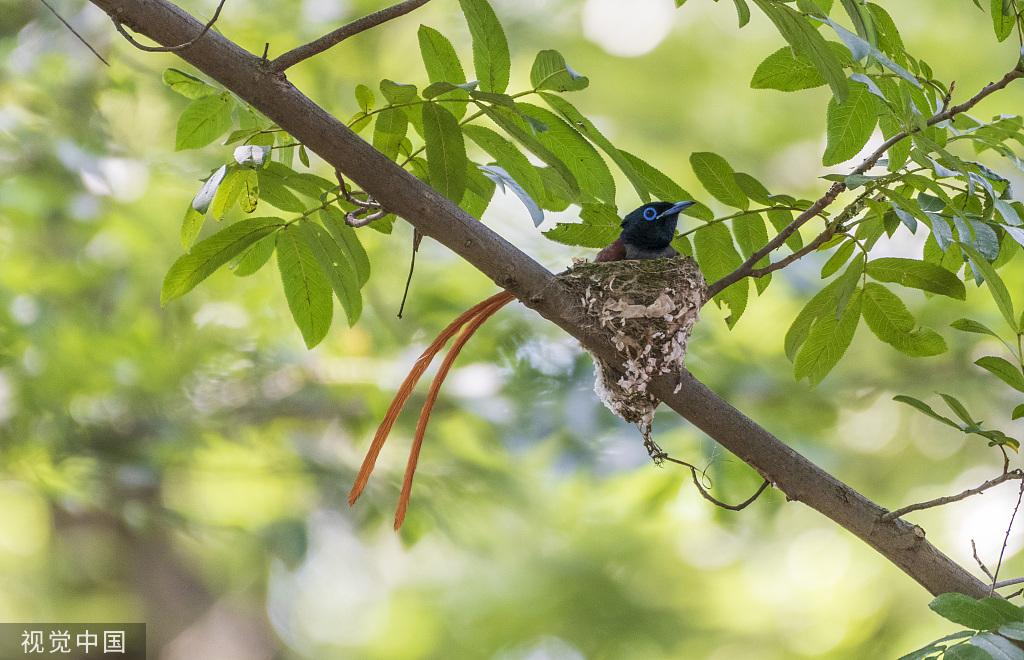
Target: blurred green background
{"points": [[189, 466]]}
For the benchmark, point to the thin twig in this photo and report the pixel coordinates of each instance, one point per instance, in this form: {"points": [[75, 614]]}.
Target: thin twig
{"points": [[1006, 538], [416, 238], [662, 456], [1009, 583], [169, 49], [296, 55], [74, 32], [981, 564], [898, 513], [838, 187]]}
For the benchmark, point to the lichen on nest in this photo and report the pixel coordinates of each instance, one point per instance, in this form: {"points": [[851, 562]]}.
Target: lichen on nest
{"points": [[647, 309]]}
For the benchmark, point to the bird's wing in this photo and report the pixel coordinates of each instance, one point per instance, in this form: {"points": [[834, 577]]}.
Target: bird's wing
{"points": [[614, 252]]}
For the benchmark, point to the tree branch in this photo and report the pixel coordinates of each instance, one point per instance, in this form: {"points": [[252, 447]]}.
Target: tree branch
{"points": [[747, 267], [1006, 476], [403, 194], [331, 39], [169, 49]]}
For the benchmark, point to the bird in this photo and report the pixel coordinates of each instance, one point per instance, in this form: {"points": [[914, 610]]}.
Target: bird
{"points": [[647, 233]]}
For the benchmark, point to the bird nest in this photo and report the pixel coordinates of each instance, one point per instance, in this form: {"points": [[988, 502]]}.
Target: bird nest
{"points": [[647, 309]]}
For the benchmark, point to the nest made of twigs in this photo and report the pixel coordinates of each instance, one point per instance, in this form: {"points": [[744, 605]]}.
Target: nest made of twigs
{"points": [[647, 309]]}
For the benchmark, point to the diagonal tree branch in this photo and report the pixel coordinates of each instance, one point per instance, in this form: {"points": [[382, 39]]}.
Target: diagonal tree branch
{"points": [[746, 269], [247, 76], [331, 39]]}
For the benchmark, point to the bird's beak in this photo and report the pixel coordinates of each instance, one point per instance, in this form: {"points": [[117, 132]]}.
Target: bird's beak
{"points": [[676, 208]]}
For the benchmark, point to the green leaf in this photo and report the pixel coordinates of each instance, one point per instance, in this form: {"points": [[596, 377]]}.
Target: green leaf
{"points": [[250, 194], [389, 131], [480, 187], [827, 342], [805, 40], [751, 235], [822, 303], [274, 191], [254, 258], [446, 152], [664, 188], [229, 191], [443, 65], [516, 126], [849, 126], [347, 239], [305, 286], [1018, 412], [1004, 370], [510, 159], [191, 225], [716, 175], [491, 58], [984, 614], [397, 93], [742, 12], [1003, 18], [551, 71], [996, 647], [340, 273], [918, 275], [188, 85], [753, 188], [927, 410], [717, 257], [600, 226], [579, 156], [995, 284], [365, 98], [836, 261], [860, 16], [203, 121], [589, 131], [961, 411], [782, 218], [786, 72], [211, 253], [969, 325], [891, 322]]}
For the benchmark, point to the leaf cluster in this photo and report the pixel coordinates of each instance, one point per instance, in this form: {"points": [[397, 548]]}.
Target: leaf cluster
{"points": [[993, 623]]}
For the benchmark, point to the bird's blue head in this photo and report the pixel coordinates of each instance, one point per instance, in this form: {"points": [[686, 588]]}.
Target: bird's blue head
{"points": [[652, 226]]}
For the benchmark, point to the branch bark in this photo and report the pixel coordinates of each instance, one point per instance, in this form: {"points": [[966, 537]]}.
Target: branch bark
{"points": [[249, 77]]}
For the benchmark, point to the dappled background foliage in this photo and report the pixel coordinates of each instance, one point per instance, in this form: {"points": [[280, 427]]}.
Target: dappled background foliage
{"points": [[188, 465]]}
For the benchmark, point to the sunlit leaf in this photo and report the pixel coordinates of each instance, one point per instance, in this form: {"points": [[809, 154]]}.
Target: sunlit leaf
{"points": [[305, 286], [918, 275], [716, 175], [579, 156], [926, 409], [827, 342], [717, 257], [550, 71], [187, 85], [849, 126], [203, 121], [446, 151], [984, 614], [211, 253], [335, 264], [491, 58], [892, 322], [1004, 370]]}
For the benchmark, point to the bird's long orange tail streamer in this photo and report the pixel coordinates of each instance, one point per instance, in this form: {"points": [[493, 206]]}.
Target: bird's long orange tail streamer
{"points": [[474, 317]]}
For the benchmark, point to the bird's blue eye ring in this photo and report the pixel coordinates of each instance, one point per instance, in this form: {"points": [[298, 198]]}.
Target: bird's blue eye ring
{"points": [[650, 214]]}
